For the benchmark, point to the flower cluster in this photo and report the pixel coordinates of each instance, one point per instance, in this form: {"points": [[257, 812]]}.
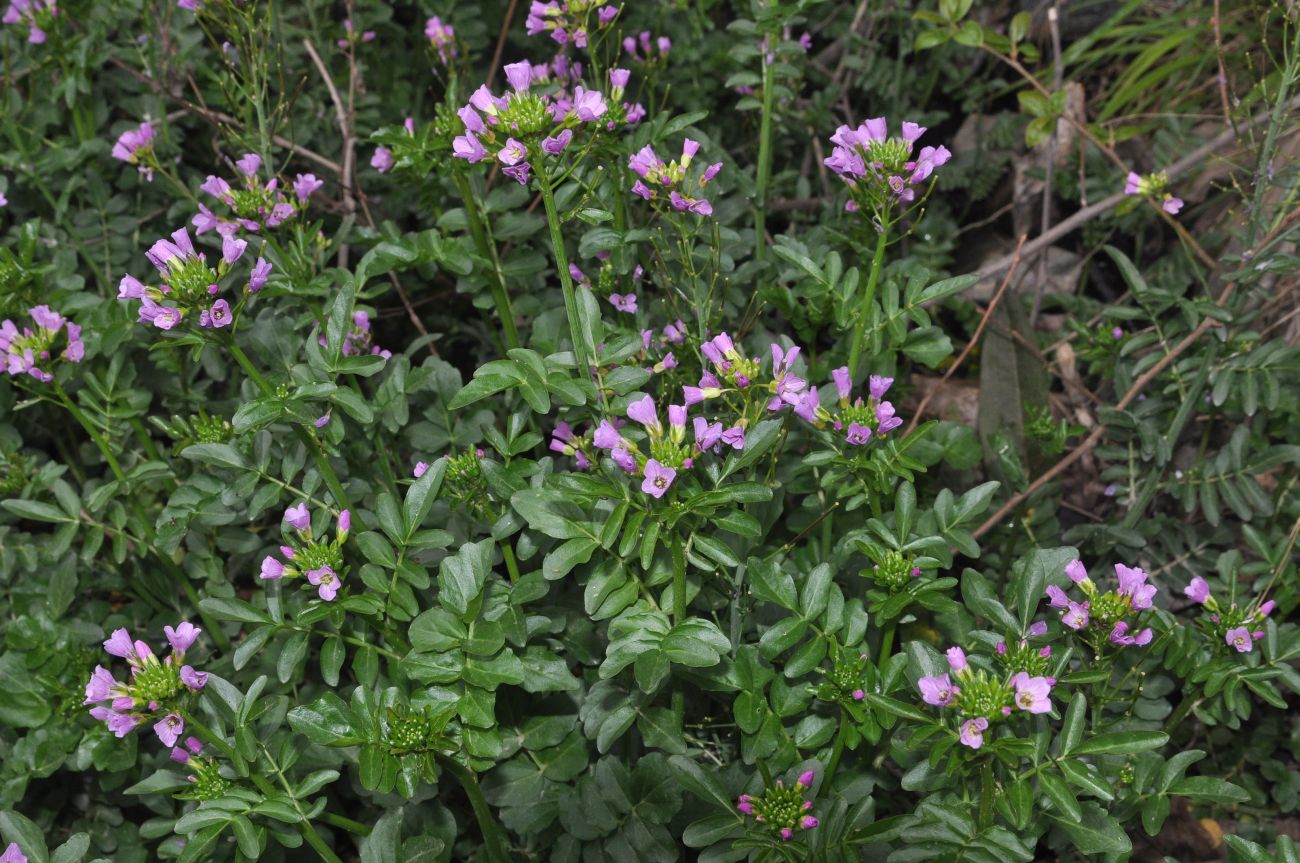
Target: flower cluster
{"points": [[443, 39], [155, 689], [1114, 612], [980, 697], [1234, 626], [569, 22], [1153, 186], [658, 178], [26, 351], [880, 170], [254, 203], [206, 779], [135, 147], [512, 129], [351, 36], [652, 52], [188, 283], [842, 682], [668, 451], [780, 809], [38, 15], [858, 420], [320, 561], [565, 442]]}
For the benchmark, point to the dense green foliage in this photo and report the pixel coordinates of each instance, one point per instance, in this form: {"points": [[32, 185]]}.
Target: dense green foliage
{"points": [[910, 490]]}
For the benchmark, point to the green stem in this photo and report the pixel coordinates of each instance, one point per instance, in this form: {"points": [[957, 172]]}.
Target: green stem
{"points": [[512, 566], [1186, 706], [354, 827], [860, 328], [488, 250], [764, 160], [318, 844], [494, 843], [838, 750], [566, 281], [886, 643], [209, 736], [322, 462]]}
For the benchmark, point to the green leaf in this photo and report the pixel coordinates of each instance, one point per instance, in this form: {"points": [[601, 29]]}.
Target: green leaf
{"points": [[768, 582], [703, 784], [1072, 726], [1209, 788], [421, 495], [326, 721], [73, 850], [1095, 832], [224, 608], [221, 454], [37, 511], [381, 846], [15, 827], [1060, 795], [461, 576], [1121, 743]]}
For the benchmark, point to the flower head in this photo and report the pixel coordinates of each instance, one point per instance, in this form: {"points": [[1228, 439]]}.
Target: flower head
{"points": [[972, 732], [658, 478], [937, 690]]}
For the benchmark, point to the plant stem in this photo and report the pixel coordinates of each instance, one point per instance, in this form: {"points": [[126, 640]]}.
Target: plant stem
{"points": [[209, 735], [488, 250], [886, 642], [764, 161], [840, 736], [576, 332], [322, 462], [494, 843], [860, 328], [1186, 706]]}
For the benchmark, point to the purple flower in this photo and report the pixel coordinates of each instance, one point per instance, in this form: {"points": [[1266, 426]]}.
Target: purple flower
{"points": [[1075, 570], [1032, 693], [217, 188], [420, 468], [878, 386], [658, 478], [624, 459], [684, 204], [121, 724], [1133, 183], [808, 405], [1076, 615], [734, 437], [624, 302], [843, 382], [606, 436], [519, 75], [972, 732], [100, 686], [469, 148], [607, 14], [248, 164], [195, 680], [957, 660], [271, 568], [119, 644], [260, 273], [1056, 597], [706, 435], [170, 728], [182, 638], [858, 434], [588, 105], [937, 690], [745, 804], [131, 142], [645, 162], [808, 822], [382, 160], [556, 145], [1267, 608], [326, 580], [513, 152], [885, 419], [1240, 639], [298, 517], [1038, 628], [643, 411], [344, 524], [1171, 205], [305, 185]]}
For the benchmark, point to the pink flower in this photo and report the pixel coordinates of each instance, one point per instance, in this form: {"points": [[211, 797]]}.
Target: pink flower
{"points": [[1077, 616], [469, 148], [957, 660], [588, 105], [1133, 183], [937, 690], [643, 411], [305, 185], [14, 854], [1032, 693], [119, 644], [326, 580], [972, 732], [271, 568], [260, 273], [513, 152], [100, 686], [182, 638], [298, 517], [519, 75], [1075, 570], [745, 804], [382, 160], [195, 680], [658, 478], [808, 822], [1171, 205], [170, 728], [806, 779], [1198, 590], [1240, 639], [1056, 597]]}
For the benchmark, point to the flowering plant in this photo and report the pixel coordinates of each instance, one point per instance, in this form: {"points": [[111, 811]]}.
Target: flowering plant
{"points": [[625, 452]]}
